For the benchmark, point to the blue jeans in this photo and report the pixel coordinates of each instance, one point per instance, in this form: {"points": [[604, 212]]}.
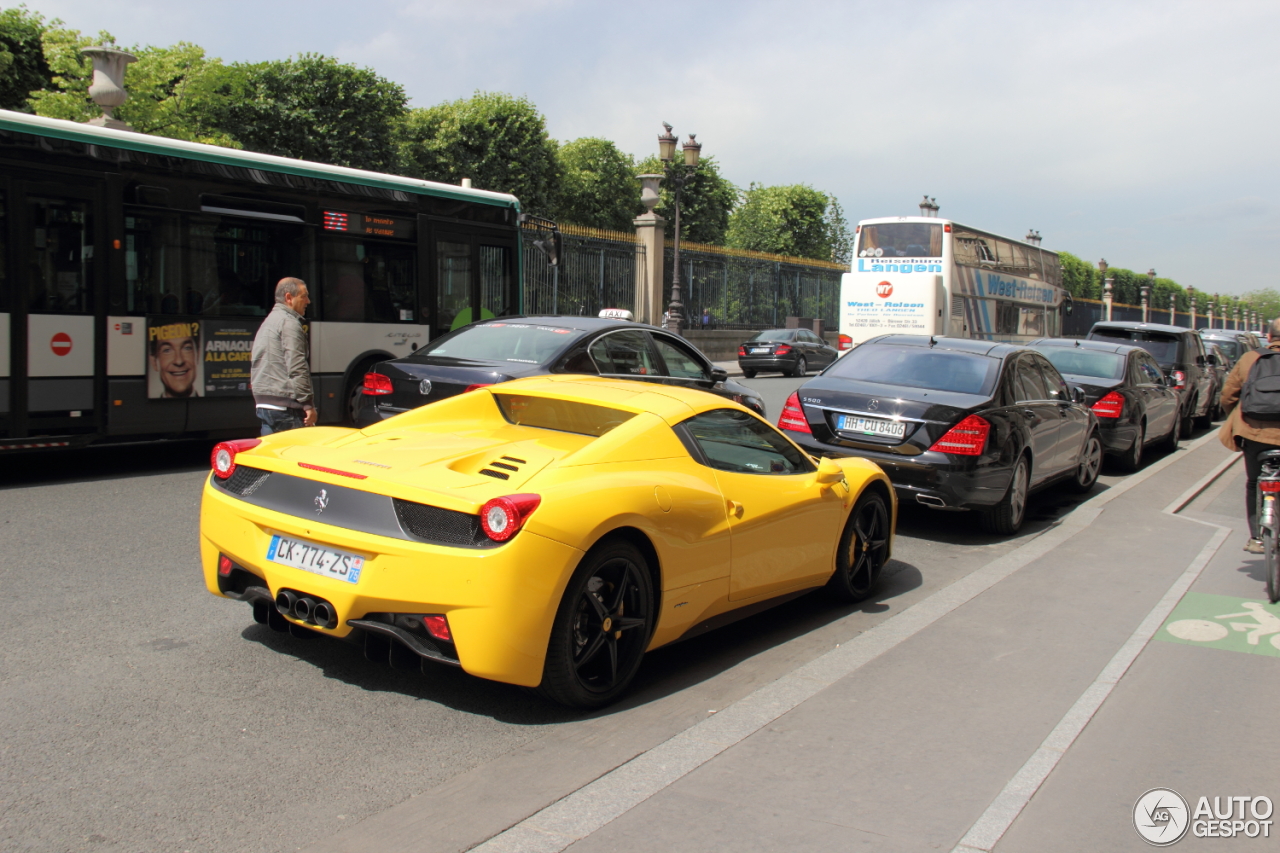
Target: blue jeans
{"points": [[274, 420]]}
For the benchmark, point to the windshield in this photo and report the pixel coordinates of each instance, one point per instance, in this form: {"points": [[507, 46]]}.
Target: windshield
{"points": [[1103, 365], [919, 367], [1164, 348], [900, 240], [773, 335], [524, 343], [1230, 348]]}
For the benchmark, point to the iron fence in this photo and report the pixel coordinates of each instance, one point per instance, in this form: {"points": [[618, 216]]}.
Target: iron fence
{"points": [[1086, 312], [597, 270]]}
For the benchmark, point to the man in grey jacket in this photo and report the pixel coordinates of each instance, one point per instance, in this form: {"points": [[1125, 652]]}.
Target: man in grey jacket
{"points": [[280, 376]]}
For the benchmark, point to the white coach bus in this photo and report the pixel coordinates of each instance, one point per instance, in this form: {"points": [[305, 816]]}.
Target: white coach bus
{"points": [[928, 276]]}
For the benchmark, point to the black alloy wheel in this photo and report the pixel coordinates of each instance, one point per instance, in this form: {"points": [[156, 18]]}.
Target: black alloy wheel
{"points": [[1090, 465], [1170, 442], [1189, 419], [1006, 517], [863, 549], [1131, 460], [802, 367], [602, 628]]}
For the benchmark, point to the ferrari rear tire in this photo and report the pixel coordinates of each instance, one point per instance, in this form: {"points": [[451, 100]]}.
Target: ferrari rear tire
{"points": [[863, 549], [1006, 517], [602, 628]]}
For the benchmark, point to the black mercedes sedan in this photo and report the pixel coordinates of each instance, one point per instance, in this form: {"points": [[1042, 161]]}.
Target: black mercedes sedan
{"points": [[1127, 390], [505, 348], [955, 423], [793, 352]]}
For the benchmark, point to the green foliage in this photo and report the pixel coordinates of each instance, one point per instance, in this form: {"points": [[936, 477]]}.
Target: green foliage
{"points": [[1079, 277], [23, 68], [705, 203], [498, 141], [67, 94], [792, 220], [314, 108], [1267, 301], [598, 187]]}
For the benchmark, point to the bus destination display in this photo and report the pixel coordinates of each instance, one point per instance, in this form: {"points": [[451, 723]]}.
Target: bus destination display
{"points": [[369, 224]]}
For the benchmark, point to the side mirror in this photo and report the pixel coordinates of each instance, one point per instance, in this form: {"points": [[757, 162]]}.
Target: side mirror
{"points": [[1077, 394], [1200, 361], [829, 472], [718, 375]]}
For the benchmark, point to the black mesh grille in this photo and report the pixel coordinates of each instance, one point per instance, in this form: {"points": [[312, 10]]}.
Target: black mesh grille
{"points": [[245, 481], [442, 526]]}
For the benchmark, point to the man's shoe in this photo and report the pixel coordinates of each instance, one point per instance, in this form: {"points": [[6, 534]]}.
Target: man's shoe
{"points": [[1253, 546]]}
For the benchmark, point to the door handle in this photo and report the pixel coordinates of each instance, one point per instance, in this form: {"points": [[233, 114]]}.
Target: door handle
{"points": [[1031, 413], [736, 509]]}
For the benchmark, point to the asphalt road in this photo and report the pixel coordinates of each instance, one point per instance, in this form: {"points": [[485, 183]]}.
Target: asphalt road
{"points": [[142, 713]]}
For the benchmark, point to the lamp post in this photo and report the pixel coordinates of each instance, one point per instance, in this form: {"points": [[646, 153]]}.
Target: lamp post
{"points": [[676, 176], [1106, 288], [1033, 237], [929, 207]]}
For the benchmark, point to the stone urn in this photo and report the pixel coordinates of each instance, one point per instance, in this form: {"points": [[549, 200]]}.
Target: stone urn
{"points": [[107, 89], [649, 195]]}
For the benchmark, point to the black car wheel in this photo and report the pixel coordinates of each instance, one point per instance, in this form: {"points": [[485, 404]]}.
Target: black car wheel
{"points": [[1089, 466], [749, 374], [1006, 517], [802, 367], [1188, 418], [1131, 460], [1170, 441], [602, 628], [863, 549]]}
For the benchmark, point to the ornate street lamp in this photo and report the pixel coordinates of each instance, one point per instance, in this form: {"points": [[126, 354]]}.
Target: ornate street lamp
{"points": [[676, 176], [929, 207], [1033, 237]]}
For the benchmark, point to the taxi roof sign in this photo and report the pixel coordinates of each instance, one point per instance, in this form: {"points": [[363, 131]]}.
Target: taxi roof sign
{"points": [[616, 314]]}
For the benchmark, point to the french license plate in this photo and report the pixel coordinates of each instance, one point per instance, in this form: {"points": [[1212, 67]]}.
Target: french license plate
{"points": [[872, 426], [316, 559], [759, 349]]}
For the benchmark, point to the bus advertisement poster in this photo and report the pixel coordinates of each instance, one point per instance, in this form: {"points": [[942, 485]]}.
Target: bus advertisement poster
{"points": [[174, 367], [228, 354]]}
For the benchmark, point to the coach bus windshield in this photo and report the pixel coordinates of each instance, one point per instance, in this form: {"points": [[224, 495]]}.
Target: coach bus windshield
{"points": [[900, 240]]}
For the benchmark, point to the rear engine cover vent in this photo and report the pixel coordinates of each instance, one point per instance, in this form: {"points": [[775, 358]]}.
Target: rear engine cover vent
{"points": [[506, 463]]}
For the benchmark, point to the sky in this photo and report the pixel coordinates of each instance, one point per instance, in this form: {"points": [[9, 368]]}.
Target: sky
{"points": [[1145, 133]]}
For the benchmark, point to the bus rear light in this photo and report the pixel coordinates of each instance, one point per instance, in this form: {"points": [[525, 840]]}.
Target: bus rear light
{"points": [[477, 386], [223, 458], [1110, 406], [438, 627], [966, 438], [376, 385], [846, 343], [501, 518], [792, 416], [784, 349], [947, 227]]}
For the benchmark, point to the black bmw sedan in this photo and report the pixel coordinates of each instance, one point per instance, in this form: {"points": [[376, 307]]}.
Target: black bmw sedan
{"points": [[955, 423], [1126, 388], [505, 348]]}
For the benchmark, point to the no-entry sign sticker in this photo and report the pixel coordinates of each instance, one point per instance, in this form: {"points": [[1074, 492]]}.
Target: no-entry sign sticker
{"points": [[60, 343]]}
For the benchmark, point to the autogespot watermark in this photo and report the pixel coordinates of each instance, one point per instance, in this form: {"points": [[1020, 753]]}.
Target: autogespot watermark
{"points": [[1162, 817]]}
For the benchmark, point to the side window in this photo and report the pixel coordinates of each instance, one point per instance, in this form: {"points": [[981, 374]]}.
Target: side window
{"points": [[1028, 384], [738, 442], [624, 354], [680, 364], [1150, 370], [1054, 382], [579, 362]]}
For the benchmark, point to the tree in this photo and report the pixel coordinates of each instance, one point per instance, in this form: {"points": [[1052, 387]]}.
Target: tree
{"points": [[1266, 301], [705, 203], [597, 185], [314, 108], [497, 140], [794, 220], [1078, 277], [23, 68]]}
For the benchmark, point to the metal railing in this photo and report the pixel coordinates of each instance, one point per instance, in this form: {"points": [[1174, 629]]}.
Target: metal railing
{"points": [[597, 270]]}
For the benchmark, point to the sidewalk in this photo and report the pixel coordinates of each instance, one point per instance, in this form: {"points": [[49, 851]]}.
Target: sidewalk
{"points": [[1022, 708]]}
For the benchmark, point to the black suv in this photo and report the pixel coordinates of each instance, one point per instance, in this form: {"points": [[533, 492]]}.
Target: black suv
{"points": [[1181, 354]]}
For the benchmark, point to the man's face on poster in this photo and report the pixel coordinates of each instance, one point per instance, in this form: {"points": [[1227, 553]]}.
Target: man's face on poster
{"points": [[174, 362]]}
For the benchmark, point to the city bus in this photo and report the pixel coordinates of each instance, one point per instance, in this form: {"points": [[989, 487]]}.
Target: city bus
{"points": [[928, 276], [135, 270]]}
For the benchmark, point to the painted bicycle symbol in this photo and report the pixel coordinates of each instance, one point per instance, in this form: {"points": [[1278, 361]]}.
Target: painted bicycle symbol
{"points": [[1264, 624]]}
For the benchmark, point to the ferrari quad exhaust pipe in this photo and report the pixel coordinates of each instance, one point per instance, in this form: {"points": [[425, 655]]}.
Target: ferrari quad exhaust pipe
{"points": [[323, 615], [302, 608], [285, 601]]}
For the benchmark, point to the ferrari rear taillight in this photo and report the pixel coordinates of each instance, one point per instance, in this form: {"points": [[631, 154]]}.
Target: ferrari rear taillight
{"points": [[966, 438], [376, 385], [742, 351], [1179, 379], [792, 416], [1109, 406], [846, 343], [501, 518], [223, 458], [783, 349]]}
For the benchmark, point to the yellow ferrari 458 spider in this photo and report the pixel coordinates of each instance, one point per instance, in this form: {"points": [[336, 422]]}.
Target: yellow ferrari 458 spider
{"points": [[543, 532]]}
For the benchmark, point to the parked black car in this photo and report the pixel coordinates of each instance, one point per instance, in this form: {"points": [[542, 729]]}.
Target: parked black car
{"points": [[1221, 366], [1234, 344], [1127, 391], [792, 351], [1180, 353], [505, 348], [955, 423]]}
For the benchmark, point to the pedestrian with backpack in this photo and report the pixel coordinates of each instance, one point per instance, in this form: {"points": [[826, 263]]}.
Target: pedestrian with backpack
{"points": [[1251, 399]]}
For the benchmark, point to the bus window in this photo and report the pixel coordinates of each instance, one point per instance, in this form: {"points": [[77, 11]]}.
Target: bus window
{"points": [[233, 265], [369, 281], [152, 265], [4, 266], [901, 240], [453, 282], [495, 280], [61, 237]]}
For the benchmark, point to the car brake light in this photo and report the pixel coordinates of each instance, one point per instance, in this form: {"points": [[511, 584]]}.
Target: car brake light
{"points": [[477, 386], [792, 416], [1269, 486], [225, 565], [438, 627], [223, 458], [742, 351], [784, 349], [966, 438], [1109, 406], [846, 342], [376, 385], [501, 518], [1179, 379]]}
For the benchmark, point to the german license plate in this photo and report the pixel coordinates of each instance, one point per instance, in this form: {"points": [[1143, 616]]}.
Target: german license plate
{"points": [[317, 559], [872, 426], [759, 349]]}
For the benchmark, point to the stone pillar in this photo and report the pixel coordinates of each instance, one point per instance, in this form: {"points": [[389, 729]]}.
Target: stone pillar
{"points": [[650, 229]]}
